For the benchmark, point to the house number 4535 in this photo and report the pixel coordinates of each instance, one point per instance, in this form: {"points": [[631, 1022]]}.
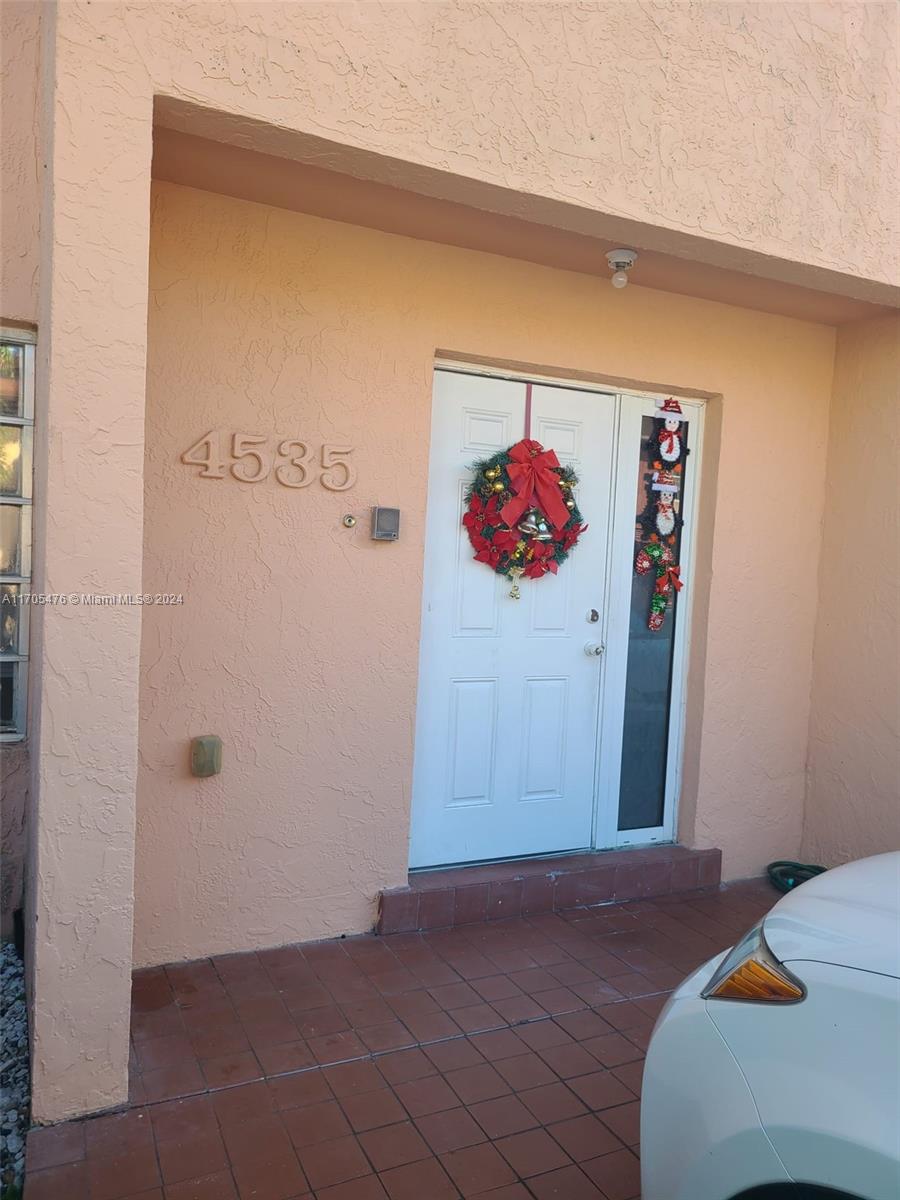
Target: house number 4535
{"points": [[296, 464]]}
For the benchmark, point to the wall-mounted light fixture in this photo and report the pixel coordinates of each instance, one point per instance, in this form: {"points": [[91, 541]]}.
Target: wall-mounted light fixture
{"points": [[620, 263]]}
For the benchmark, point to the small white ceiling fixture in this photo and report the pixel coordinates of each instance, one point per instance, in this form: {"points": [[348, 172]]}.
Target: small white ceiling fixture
{"points": [[620, 263]]}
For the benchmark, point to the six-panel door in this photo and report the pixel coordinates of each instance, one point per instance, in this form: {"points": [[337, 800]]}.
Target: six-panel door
{"points": [[507, 704]]}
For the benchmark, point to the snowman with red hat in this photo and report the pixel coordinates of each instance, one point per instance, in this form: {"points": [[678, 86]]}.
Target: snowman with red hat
{"points": [[670, 438]]}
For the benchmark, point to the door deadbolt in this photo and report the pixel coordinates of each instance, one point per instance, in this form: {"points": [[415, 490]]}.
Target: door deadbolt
{"points": [[593, 616]]}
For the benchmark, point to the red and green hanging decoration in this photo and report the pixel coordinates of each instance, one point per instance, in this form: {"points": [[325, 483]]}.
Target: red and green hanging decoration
{"points": [[521, 514], [660, 519]]}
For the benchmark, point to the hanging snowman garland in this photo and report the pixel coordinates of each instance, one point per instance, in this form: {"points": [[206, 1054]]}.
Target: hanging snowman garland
{"points": [[521, 514], [660, 519]]}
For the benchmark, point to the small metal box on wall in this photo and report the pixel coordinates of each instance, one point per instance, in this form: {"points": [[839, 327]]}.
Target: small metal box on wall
{"points": [[385, 524]]}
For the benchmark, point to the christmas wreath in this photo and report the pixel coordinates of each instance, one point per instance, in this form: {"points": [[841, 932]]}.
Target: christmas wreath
{"points": [[521, 514]]}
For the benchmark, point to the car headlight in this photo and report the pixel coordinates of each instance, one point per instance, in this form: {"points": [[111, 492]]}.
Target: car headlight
{"points": [[750, 971]]}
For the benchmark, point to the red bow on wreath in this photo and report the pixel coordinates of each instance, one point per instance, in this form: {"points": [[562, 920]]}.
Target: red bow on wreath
{"points": [[533, 480]]}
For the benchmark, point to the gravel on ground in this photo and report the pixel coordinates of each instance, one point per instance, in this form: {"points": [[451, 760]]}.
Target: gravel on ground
{"points": [[14, 1090]]}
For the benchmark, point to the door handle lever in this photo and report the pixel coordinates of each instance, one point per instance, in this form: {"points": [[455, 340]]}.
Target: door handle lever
{"points": [[594, 649]]}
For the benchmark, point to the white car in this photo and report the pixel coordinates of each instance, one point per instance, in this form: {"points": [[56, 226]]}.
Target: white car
{"points": [[774, 1071]]}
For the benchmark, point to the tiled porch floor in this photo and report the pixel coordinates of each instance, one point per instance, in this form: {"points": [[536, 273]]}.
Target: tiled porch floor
{"points": [[500, 1060]]}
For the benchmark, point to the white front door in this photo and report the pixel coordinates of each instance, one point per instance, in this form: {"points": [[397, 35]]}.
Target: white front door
{"points": [[507, 718]]}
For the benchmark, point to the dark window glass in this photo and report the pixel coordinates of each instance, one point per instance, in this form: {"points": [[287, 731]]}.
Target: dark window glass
{"points": [[648, 687]]}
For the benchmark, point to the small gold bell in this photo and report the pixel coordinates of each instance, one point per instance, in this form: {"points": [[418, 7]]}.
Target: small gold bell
{"points": [[570, 504], [492, 473], [499, 486], [534, 524], [515, 574]]}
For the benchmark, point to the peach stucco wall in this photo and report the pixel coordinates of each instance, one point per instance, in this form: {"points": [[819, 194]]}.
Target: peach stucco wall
{"points": [[20, 169], [853, 798], [752, 136], [297, 641]]}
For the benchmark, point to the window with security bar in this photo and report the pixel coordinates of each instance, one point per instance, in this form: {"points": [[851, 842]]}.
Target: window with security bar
{"points": [[16, 439]]}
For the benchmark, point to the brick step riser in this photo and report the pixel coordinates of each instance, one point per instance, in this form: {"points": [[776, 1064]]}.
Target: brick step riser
{"points": [[659, 872]]}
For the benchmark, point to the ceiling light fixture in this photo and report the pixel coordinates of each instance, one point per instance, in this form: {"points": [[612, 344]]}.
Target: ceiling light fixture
{"points": [[621, 262]]}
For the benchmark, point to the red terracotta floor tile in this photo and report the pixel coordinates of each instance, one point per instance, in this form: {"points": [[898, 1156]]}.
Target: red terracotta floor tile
{"points": [[178, 1079], [555, 1102], [348, 1079], [513, 1191], [263, 1161], [290, 1056], [238, 1105], [336, 1161], [526, 1071], [192, 1117], [472, 1084], [296, 1091], [191, 1155], [429, 1095], [125, 1174], [55, 1145], [540, 1034], [503, 1116], [419, 1180], [532, 1152], [625, 1122], [600, 1090], [454, 1055], [477, 1169], [618, 1175], [499, 1043], [569, 1061], [229, 1069], [452, 1129], [208, 1187], [69, 1180], [118, 1133], [315, 1123], [612, 1049], [367, 1188], [392, 1035], [153, 1053], [371, 1110], [584, 1137], [404, 1065], [394, 1146], [567, 1183]]}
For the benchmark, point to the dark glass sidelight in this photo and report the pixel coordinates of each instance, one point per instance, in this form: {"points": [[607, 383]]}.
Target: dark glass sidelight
{"points": [[648, 687]]}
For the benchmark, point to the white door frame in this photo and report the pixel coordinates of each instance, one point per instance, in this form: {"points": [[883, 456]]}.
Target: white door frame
{"points": [[631, 407]]}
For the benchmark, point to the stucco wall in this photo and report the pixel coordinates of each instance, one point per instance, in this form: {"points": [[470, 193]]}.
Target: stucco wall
{"points": [[20, 54], [297, 639], [758, 136], [853, 800]]}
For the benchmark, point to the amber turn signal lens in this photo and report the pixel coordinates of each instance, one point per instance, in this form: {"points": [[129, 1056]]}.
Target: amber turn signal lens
{"points": [[755, 981], [750, 971]]}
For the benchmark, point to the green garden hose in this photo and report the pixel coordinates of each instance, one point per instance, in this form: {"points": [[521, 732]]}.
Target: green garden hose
{"points": [[786, 875]]}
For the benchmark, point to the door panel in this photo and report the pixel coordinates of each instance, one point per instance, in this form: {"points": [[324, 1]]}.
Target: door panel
{"points": [[507, 708]]}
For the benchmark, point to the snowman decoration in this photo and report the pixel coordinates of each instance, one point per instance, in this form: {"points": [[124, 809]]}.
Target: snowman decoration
{"points": [[665, 485], [671, 442]]}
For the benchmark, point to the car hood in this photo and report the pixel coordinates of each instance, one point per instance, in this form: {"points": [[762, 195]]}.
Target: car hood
{"points": [[850, 916]]}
